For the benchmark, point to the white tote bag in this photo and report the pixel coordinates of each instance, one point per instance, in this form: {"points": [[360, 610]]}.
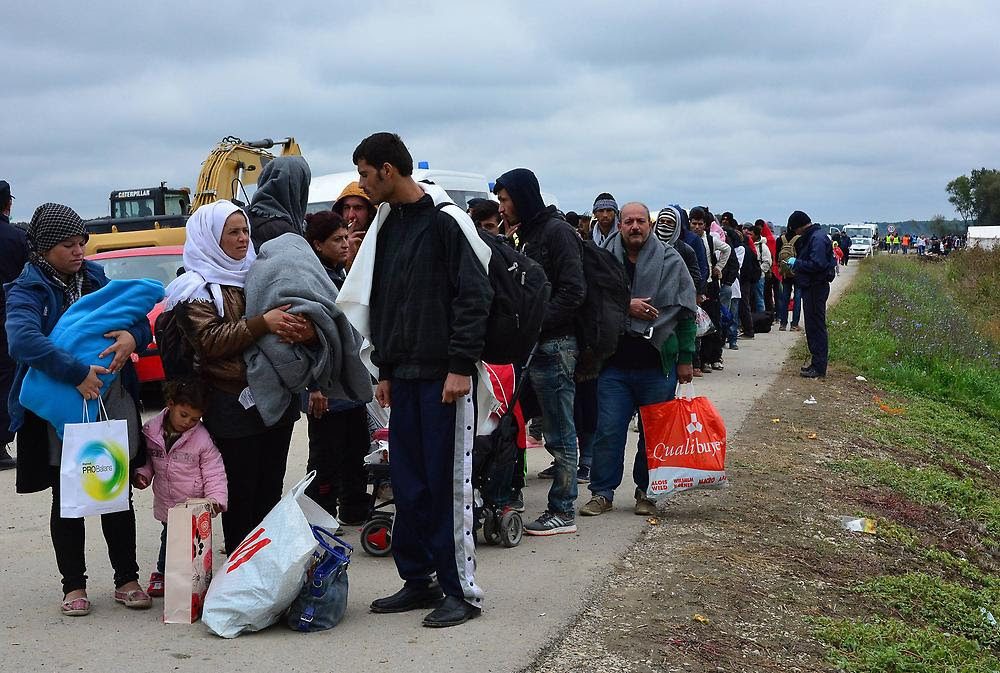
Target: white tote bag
{"points": [[262, 577], [93, 475]]}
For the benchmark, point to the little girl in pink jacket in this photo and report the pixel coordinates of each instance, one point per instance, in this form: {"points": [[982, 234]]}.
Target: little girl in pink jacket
{"points": [[182, 462]]}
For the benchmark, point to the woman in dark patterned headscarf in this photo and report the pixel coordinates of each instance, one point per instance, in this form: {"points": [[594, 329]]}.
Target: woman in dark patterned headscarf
{"points": [[56, 276]]}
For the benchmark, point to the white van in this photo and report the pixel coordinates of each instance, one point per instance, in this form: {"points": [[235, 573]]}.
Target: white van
{"points": [[461, 186], [324, 189], [862, 235]]}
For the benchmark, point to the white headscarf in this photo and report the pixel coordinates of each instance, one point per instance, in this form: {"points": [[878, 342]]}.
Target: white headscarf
{"points": [[206, 266]]}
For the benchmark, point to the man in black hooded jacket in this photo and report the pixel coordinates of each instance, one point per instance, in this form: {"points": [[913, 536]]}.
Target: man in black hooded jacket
{"points": [[547, 238]]}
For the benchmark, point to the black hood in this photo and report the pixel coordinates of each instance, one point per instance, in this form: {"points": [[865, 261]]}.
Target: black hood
{"points": [[522, 185]]}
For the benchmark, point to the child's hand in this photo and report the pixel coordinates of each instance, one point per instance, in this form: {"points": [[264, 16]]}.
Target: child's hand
{"points": [[140, 481], [216, 507]]}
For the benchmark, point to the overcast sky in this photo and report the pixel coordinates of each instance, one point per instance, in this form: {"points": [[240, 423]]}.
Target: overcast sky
{"points": [[849, 111]]}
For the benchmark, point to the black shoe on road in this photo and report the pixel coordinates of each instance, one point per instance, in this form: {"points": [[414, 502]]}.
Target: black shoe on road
{"points": [[6, 462], [411, 597], [805, 368], [812, 374], [452, 612]]}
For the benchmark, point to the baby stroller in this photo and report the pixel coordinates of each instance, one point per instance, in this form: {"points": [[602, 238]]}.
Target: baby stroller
{"points": [[493, 458], [376, 533]]}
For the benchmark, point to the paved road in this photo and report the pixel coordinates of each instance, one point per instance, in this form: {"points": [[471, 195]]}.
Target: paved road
{"points": [[533, 591]]}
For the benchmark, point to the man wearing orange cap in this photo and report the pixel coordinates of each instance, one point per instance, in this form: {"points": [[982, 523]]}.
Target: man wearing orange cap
{"points": [[354, 206]]}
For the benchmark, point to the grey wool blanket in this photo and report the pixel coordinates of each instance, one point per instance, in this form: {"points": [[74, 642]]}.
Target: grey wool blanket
{"points": [[287, 271]]}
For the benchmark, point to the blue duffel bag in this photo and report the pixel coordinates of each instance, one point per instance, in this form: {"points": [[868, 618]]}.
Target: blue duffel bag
{"points": [[322, 602]]}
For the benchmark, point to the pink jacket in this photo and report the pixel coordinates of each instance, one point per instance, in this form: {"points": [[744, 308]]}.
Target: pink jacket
{"points": [[193, 468]]}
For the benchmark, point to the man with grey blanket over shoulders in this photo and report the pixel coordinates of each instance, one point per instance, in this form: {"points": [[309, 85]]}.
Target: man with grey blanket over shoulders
{"points": [[654, 353]]}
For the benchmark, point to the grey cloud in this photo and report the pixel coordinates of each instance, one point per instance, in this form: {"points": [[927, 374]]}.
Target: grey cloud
{"points": [[849, 111]]}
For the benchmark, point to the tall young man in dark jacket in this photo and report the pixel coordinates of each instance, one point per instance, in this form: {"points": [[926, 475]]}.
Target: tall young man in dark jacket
{"points": [[815, 267], [549, 240], [429, 302], [13, 256]]}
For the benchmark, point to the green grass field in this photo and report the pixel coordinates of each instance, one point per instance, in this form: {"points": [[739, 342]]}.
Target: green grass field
{"points": [[927, 333]]}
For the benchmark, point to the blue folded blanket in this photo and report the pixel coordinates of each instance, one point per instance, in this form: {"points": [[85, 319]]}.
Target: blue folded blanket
{"points": [[80, 331]]}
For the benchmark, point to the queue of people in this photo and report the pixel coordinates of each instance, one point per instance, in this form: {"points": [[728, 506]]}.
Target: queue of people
{"points": [[410, 272]]}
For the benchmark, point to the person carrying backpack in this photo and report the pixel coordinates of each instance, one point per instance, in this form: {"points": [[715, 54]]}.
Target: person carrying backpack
{"points": [[548, 239], [786, 250]]}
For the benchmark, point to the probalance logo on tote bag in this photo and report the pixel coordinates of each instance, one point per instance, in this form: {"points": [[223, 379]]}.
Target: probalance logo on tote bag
{"points": [[93, 476]]}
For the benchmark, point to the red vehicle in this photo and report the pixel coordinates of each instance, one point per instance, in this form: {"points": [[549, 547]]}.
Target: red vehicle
{"points": [[159, 263]]}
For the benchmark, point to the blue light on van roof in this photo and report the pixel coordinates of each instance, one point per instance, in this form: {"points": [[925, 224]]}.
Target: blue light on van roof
{"points": [[423, 164], [493, 186]]}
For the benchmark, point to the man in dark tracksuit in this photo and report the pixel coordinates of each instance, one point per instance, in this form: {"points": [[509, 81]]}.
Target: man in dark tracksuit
{"points": [[549, 240], [815, 266], [13, 256], [429, 303]]}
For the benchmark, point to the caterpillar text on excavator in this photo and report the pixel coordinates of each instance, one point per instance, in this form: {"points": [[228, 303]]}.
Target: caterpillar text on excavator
{"points": [[142, 217]]}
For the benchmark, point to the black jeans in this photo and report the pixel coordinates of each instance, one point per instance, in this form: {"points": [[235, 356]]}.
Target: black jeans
{"points": [[814, 312], [772, 293], [711, 344], [161, 559], [338, 444], [68, 540], [746, 318], [255, 469]]}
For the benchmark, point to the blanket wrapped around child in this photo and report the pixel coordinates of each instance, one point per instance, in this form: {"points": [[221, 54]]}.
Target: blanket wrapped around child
{"points": [[80, 331], [287, 271]]}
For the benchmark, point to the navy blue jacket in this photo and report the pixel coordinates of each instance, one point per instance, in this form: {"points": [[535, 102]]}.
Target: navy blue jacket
{"points": [[34, 306], [13, 253], [814, 259]]}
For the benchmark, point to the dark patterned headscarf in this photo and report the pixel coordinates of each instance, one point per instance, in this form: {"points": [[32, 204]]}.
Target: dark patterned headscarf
{"points": [[52, 224]]}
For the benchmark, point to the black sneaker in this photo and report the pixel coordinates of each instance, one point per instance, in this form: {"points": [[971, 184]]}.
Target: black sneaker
{"points": [[517, 501], [6, 462], [551, 524], [733, 346], [583, 475], [812, 374], [548, 473]]}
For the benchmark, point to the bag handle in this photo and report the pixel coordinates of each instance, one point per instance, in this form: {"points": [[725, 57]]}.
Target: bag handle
{"points": [[685, 391], [101, 410]]}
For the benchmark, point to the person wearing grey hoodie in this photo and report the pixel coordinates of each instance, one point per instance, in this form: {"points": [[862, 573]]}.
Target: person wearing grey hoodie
{"points": [[669, 233], [279, 204]]}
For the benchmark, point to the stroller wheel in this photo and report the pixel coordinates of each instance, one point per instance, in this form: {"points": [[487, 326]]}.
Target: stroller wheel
{"points": [[376, 537], [491, 535], [511, 529]]}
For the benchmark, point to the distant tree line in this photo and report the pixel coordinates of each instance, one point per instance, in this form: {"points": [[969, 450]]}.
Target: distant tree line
{"points": [[976, 197]]}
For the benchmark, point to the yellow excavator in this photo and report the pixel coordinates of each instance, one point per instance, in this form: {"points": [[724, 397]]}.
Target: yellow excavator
{"points": [[153, 216]]}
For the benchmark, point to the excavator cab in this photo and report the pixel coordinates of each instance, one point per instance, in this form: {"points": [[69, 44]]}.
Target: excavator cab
{"points": [[129, 203]]}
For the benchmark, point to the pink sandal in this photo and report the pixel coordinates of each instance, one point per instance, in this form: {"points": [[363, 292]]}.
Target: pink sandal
{"points": [[137, 599], [78, 607]]}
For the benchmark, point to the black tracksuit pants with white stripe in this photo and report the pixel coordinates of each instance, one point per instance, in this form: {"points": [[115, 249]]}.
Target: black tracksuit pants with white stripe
{"points": [[430, 464]]}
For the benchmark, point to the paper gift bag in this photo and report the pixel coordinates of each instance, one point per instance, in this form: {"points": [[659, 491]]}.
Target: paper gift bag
{"points": [[93, 474], [188, 570]]}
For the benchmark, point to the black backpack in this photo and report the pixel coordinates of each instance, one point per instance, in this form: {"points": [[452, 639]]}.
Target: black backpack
{"points": [[750, 272], [520, 294], [731, 271], [601, 319], [176, 352]]}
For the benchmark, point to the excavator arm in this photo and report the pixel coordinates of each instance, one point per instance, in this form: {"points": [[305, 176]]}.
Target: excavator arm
{"points": [[231, 163]]}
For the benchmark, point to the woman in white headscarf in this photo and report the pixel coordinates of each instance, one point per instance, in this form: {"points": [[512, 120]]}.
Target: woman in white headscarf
{"points": [[210, 309]]}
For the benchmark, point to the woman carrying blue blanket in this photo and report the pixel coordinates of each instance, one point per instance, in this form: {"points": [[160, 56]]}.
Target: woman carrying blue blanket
{"points": [[54, 279]]}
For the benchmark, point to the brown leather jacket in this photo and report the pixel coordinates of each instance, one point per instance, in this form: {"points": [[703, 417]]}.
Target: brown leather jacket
{"points": [[219, 342]]}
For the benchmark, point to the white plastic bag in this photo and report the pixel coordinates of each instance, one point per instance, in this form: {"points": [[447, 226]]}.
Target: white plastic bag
{"points": [[262, 577], [93, 474], [703, 323]]}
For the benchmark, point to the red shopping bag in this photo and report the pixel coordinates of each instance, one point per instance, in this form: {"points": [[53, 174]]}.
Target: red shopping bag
{"points": [[685, 445]]}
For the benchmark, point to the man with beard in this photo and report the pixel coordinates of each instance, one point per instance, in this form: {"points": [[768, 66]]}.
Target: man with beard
{"points": [[717, 253], [358, 211], [547, 238], [418, 291], [653, 354], [606, 214]]}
